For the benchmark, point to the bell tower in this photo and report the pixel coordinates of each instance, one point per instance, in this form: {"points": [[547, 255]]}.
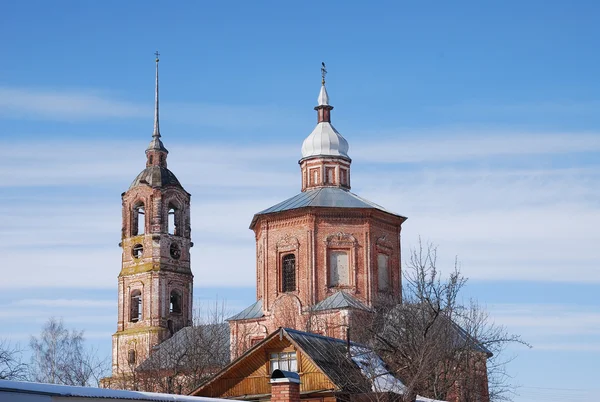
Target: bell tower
{"points": [[155, 282]]}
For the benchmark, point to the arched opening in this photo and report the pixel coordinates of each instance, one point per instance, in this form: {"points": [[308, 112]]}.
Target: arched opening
{"points": [[175, 302], [171, 222], [175, 251], [138, 224], [288, 273], [137, 251], [136, 307]]}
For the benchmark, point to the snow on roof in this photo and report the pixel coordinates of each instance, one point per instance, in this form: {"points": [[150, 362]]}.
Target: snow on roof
{"points": [[373, 368], [90, 392], [423, 399]]}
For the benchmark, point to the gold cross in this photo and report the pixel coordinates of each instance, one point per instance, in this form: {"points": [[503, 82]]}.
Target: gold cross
{"points": [[323, 73]]}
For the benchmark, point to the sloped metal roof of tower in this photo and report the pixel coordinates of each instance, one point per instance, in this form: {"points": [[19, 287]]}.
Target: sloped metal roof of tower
{"points": [[156, 176], [339, 300], [253, 311], [333, 197]]}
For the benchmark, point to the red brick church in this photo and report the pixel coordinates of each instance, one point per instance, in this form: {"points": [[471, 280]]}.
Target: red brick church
{"points": [[323, 258], [324, 255]]}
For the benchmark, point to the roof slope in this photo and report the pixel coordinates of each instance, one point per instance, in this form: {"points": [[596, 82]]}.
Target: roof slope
{"points": [[333, 197], [91, 392], [204, 346], [339, 300], [155, 176], [331, 356], [255, 310]]}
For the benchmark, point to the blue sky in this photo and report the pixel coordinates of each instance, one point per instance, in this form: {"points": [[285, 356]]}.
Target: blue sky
{"points": [[477, 121]]}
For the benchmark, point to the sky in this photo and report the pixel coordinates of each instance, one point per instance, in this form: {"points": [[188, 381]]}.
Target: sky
{"points": [[477, 120]]}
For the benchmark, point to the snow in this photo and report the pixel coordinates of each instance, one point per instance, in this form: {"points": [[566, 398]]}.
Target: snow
{"points": [[374, 369], [90, 392]]}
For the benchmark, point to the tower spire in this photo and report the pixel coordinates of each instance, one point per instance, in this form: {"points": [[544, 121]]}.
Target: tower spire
{"points": [[156, 152], [323, 108], [156, 133]]}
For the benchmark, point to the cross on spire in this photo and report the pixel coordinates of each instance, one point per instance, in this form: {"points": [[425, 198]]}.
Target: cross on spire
{"points": [[157, 54], [323, 73]]}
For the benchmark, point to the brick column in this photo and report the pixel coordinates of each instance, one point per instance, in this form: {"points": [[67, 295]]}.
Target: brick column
{"points": [[285, 386]]}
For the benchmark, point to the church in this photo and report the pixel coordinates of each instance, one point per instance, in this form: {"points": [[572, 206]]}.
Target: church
{"points": [[323, 258]]}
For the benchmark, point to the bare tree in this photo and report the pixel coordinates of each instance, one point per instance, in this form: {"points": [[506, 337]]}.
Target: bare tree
{"points": [[439, 347], [189, 357], [11, 365], [59, 356]]}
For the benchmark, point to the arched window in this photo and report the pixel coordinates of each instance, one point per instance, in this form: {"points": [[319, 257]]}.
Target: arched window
{"points": [[329, 175], [338, 268], [136, 306], [288, 273], [131, 356], [138, 224], [172, 222], [175, 302]]}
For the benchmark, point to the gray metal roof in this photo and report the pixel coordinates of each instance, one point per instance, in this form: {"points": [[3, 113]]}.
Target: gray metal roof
{"points": [[201, 345], [332, 357], [323, 197], [253, 311], [156, 176], [69, 392], [339, 300]]}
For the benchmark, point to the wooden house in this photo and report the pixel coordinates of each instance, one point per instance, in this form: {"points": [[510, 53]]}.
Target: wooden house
{"points": [[329, 369]]}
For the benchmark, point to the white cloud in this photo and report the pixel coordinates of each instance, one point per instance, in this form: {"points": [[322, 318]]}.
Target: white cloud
{"points": [[459, 145], [551, 325], [64, 105], [63, 303], [530, 222]]}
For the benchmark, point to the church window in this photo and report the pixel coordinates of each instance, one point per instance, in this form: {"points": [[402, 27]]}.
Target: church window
{"points": [[139, 222], [150, 159], [136, 306], [343, 177], [338, 268], [283, 361], [131, 357], [175, 251], [137, 251], [171, 229], [329, 175], [288, 273], [314, 176], [161, 159], [383, 272], [175, 302]]}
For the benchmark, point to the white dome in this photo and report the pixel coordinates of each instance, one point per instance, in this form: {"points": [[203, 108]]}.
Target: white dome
{"points": [[325, 141]]}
